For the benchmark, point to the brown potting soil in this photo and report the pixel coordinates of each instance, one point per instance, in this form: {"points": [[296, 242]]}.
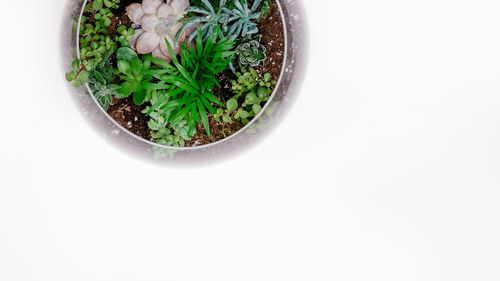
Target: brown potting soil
{"points": [[117, 21], [129, 115]]}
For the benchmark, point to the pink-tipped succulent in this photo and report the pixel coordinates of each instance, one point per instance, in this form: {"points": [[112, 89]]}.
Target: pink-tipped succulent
{"points": [[158, 21]]}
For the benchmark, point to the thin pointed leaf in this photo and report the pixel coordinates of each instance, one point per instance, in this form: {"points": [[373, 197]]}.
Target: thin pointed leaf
{"points": [[189, 23], [212, 98], [209, 6], [195, 9], [208, 105], [255, 5], [203, 116], [199, 42]]}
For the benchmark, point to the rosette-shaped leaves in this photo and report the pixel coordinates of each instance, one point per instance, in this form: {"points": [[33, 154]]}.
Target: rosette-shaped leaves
{"points": [[159, 21], [251, 53], [242, 18]]}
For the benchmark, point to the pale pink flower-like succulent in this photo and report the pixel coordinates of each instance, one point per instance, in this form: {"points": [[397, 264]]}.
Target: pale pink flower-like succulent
{"points": [[158, 21]]}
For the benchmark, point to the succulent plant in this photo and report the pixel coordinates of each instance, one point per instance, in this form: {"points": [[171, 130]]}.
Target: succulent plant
{"points": [[236, 22], [250, 53], [159, 22], [190, 80], [241, 19], [134, 75], [103, 93], [209, 19], [174, 136]]}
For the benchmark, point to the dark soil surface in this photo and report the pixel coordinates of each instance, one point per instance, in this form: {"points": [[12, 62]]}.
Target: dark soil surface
{"points": [[224, 91], [129, 115], [218, 131], [273, 38], [116, 21]]}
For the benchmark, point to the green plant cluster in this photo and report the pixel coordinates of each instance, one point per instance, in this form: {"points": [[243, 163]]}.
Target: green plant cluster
{"points": [[264, 10], [241, 20], [160, 129], [237, 19], [189, 81], [95, 41], [134, 75], [180, 94], [250, 92]]}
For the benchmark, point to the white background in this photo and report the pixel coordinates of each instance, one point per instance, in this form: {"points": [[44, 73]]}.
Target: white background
{"points": [[399, 177]]}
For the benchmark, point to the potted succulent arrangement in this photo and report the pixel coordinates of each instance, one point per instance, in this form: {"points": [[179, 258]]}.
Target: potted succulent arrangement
{"points": [[180, 73]]}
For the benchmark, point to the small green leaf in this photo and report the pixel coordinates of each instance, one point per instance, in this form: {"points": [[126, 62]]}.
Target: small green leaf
{"points": [[256, 108], [97, 5], [121, 29], [139, 97], [70, 76], [127, 88], [243, 113], [262, 92], [99, 77], [251, 98], [84, 76], [267, 77], [232, 104], [75, 65], [137, 66], [124, 67]]}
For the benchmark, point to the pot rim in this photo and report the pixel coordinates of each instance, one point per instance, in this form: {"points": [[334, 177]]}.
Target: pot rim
{"points": [[240, 131]]}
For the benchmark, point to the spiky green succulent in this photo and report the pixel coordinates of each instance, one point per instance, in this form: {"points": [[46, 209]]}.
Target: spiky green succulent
{"points": [[208, 17], [237, 22], [241, 21]]}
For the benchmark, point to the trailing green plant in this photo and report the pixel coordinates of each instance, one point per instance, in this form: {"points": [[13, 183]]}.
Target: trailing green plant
{"points": [[250, 53], [95, 41], [189, 81], [250, 92], [99, 4], [124, 35]]}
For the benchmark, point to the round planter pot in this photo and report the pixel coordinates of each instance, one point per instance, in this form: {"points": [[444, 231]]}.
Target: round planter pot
{"points": [[282, 97]]}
